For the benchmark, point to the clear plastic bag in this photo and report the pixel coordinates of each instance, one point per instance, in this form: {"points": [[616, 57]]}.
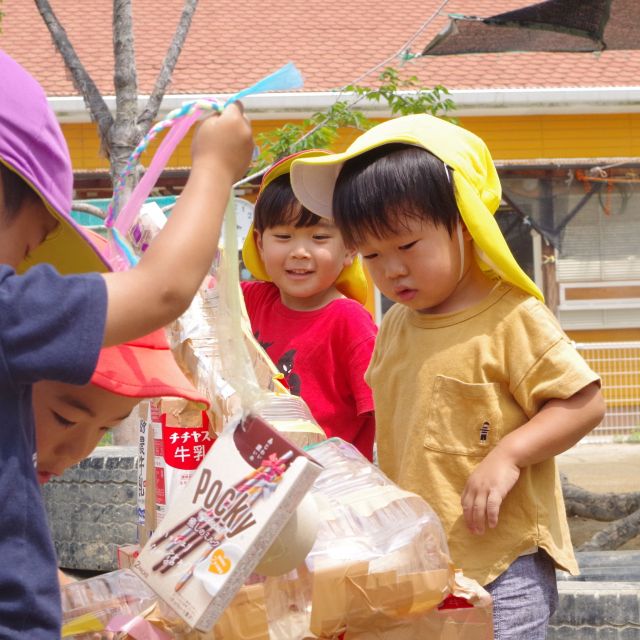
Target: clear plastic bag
{"points": [[89, 605], [379, 569], [380, 557]]}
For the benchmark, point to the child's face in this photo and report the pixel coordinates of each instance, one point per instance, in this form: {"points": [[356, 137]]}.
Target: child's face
{"points": [[419, 266], [71, 420], [24, 231], [304, 262]]}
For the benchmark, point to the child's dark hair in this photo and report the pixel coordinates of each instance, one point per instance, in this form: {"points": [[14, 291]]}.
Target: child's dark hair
{"points": [[378, 191], [277, 205], [15, 191]]}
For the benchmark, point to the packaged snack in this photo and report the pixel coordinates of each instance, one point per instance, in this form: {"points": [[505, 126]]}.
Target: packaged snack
{"points": [[126, 555], [89, 606], [145, 504], [222, 522], [379, 570], [181, 438]]}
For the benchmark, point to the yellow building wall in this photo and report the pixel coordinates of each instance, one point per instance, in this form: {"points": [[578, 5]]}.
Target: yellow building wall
{"points": [[605, 335], [508, 137], [559, 136]]}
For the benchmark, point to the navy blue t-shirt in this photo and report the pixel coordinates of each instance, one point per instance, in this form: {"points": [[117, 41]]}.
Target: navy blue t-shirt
{"points": [[51, 328]]}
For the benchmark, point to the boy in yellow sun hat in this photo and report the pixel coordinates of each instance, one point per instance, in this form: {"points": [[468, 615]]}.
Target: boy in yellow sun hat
{"points": [[476, 387], [306, 310]]}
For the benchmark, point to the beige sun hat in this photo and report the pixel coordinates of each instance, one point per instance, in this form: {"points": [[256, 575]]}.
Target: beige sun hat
{"points": [[476, 182]]}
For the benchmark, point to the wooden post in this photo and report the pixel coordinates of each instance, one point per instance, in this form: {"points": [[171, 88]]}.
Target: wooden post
{"points": [[549, 279]]}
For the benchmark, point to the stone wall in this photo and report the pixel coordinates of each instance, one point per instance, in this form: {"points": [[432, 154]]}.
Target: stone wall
{"points": [[92, 509]]}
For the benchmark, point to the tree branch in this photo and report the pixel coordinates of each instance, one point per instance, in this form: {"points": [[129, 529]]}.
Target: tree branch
{"points": [[604, 507], [613, 536], [164, 77], [81, 79], [85, 207]]}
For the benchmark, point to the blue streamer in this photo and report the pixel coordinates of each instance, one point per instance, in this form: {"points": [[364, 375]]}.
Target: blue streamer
{"points": [[287, 77], [123, 245]]}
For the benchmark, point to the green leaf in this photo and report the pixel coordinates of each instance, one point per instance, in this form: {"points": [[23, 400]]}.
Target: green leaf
{"points": [[321, 129]]}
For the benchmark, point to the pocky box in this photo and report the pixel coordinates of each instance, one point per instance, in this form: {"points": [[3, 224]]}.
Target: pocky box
{"points": [[220, 524]]}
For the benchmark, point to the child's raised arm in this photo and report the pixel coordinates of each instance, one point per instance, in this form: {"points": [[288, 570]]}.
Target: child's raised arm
{"points": [[161, 286], [554, 429]]}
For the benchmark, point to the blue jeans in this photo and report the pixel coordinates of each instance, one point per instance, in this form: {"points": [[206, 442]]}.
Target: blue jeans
{"points": [[524, 598]]}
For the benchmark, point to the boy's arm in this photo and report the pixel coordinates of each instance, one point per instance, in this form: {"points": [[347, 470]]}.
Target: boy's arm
{"points": [[555, 428], [161, 286]]}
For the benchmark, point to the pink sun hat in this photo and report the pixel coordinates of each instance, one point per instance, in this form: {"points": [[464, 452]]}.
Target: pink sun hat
{"points": [[32, 146]]}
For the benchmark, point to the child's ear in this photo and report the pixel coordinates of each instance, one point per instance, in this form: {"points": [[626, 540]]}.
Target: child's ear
{"points": [[466, 234], [349, 256], [257, 236]]}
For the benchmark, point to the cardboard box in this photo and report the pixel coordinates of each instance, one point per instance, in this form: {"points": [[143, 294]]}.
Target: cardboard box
{"points": [[219, 526], [146, 502], [127, 554]]}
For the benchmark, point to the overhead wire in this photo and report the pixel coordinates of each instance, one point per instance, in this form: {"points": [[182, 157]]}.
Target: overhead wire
{"points": [[405, 47]]}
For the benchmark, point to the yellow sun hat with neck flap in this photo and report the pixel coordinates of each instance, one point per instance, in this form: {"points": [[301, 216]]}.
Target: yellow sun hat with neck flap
{"points": [[476, 183], [351, 282]]}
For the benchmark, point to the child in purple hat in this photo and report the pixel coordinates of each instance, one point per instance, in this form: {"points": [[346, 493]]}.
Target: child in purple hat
{"points": [[52, 327]]}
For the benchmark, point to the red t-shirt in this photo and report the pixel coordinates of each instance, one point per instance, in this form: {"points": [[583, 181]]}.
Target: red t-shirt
{"points": [[323, 355]]}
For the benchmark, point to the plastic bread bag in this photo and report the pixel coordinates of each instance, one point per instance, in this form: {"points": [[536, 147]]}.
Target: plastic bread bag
{"points": [[88, 606], [380, 561], [379, 569], [119, 606], [380, 556]]}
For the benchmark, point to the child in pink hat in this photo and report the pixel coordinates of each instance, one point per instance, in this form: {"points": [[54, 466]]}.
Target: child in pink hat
{"points": [[52, 327]]}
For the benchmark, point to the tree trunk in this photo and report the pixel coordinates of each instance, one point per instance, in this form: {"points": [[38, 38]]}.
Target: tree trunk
{"points": [[125, 134]]}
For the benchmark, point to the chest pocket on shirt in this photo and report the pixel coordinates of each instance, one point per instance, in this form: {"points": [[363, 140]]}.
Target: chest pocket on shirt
{"points": [[464, 418]]}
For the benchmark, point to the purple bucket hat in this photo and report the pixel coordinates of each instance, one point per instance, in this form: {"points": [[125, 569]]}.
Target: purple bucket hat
{"points": [[32, 145]]}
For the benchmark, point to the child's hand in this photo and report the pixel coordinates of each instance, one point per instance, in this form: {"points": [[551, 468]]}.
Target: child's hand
{"points": [[485, 490], [224, 143]]}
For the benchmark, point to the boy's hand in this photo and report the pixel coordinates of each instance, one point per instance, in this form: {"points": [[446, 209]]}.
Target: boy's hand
{"points": [[485, 490], [224, 143]]}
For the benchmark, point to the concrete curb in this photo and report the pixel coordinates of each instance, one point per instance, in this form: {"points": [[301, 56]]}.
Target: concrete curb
{"points": [[597, 611], [603, 602]]}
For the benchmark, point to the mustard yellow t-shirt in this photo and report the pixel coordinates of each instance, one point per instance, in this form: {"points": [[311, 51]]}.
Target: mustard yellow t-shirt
{"points": [[447, 388]]}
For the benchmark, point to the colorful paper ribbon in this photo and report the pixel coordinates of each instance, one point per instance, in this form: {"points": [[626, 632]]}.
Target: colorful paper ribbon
{"points": [[179, 121]]}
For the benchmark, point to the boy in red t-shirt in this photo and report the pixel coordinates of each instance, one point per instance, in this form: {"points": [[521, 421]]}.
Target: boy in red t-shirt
{"points": [[307, 310]]}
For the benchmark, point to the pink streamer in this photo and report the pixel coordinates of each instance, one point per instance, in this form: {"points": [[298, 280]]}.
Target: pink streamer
{"points": [[138, 628], [127, 215], [125, 218]]}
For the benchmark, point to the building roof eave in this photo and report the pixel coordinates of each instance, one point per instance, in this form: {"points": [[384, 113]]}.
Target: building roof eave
{"points": [[469, 102]]}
